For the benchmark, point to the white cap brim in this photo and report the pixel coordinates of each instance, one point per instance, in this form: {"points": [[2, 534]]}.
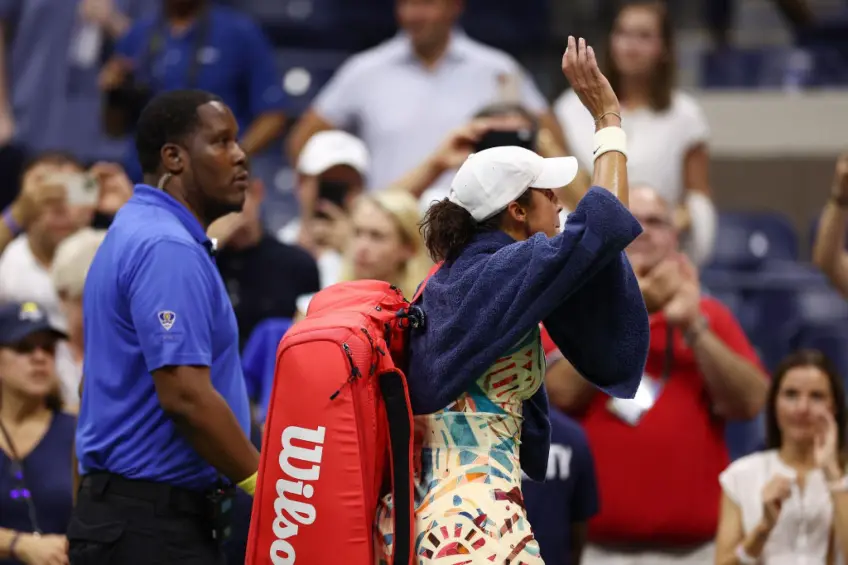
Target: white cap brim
{"points": [[557, 172]]}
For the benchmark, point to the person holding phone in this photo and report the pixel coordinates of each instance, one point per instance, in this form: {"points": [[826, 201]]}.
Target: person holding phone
{"points": [[331, 173], [496, 125]]}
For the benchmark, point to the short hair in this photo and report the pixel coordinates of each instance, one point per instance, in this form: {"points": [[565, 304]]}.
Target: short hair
{"points": [[72, 260], [168, 118], [56, 158]]}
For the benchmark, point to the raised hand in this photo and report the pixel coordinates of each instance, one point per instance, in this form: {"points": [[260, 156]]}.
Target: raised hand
{"points": [[580, 67]]}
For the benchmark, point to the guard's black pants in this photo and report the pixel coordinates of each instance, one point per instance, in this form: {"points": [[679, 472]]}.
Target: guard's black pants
{"points": [[121, 522]]}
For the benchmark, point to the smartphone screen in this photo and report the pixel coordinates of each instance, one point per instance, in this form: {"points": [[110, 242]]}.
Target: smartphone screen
{"points": [[501, 138], [82, 188], [334, 192]]}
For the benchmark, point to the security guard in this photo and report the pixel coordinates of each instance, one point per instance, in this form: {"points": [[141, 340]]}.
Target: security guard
{"points": [[164, 417]]}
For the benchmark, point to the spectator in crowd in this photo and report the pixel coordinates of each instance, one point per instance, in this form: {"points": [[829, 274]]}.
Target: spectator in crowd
{"points": [[263, 277], [70, 266], [50, 58], [495, 125], [404, 96], [36, 439], [829, 253], [382, 242], [671, 153], [332, 170], [701, 371], [560, 508], [385, 242], [789, 504], [25, 263], [198, 44]]}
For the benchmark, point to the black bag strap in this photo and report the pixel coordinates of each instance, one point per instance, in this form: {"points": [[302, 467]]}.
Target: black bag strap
{"points": [[157, 44], [399, 415]]}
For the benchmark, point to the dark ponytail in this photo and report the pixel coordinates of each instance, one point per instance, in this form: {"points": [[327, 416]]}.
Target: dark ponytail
{"points": [[448, 228]]}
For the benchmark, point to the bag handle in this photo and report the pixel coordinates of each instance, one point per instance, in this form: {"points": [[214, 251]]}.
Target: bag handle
{"points": [[423, 284]]}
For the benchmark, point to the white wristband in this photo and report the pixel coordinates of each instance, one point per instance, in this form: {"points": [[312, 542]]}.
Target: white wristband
{"points": [[743, 556], [610, 139]]}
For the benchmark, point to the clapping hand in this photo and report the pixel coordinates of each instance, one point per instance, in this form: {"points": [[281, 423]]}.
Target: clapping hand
{"points": [[826, 447], [775, 493], [580, 67], [42, 550]]}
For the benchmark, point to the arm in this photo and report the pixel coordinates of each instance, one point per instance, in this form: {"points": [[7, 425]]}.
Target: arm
{"points": [[186, 394], [179, 357], [729, 365], [696, 213], [829, 252], [730, 534], [567, 390], [579, 535], [586, 503], [839, 540], [265, 93]]}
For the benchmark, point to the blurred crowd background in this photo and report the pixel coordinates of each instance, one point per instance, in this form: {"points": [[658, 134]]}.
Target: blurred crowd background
{"points": [[354, 115]]}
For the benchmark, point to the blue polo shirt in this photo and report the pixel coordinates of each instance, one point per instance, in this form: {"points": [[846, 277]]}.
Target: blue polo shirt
{"points": [[153, 298], [236, 63], [569, 493]]}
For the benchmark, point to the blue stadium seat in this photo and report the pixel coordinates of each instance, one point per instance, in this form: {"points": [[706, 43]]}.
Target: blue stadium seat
{"points": [[830, 339], [296, 22], [509, 24], [821, 304], [745, 437], [304, 73], [815, 64], [746, 239]]}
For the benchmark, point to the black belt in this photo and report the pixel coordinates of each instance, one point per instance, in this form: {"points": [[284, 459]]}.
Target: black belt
{"points": [[164, 496]]}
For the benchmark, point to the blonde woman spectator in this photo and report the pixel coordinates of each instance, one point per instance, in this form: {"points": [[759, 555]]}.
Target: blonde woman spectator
{"points": [[789, 504], [667, 130], [384, 242], [70, 267]]}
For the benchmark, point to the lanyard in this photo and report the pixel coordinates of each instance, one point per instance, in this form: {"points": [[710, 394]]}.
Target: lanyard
{"points": [[159, 37]]}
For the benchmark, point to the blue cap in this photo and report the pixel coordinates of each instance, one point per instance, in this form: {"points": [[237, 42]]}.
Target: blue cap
{"points": [[19, 321]]}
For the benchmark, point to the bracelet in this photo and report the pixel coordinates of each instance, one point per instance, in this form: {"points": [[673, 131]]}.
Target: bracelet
{"points": [[743, 556], [602, 116], [249, 484], [12, 224], [697, 329], [609, 139]]}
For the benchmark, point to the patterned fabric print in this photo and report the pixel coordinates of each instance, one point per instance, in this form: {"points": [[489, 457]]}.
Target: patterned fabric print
{"points": [[469, 507]]}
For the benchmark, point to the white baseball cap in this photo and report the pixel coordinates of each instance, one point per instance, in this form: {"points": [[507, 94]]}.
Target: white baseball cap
{"points": [[489, 180], [328, 149]]}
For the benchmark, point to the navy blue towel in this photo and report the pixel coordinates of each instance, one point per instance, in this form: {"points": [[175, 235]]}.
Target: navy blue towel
{"points": [[579, 283]]}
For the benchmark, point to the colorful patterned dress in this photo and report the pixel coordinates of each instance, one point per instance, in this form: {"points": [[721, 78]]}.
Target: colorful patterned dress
{"points": [[469, 507]]}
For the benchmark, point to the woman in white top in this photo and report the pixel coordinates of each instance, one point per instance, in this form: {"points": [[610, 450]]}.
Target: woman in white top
{"points": [[666, 129], [789, 505]]}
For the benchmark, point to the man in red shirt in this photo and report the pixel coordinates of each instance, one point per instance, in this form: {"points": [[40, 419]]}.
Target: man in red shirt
{"points": [[659, 455]]}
